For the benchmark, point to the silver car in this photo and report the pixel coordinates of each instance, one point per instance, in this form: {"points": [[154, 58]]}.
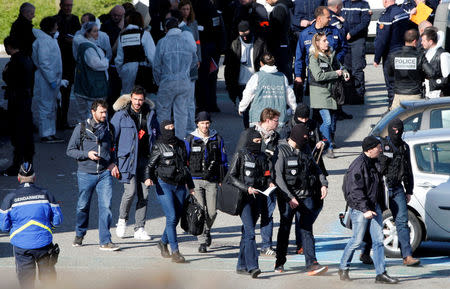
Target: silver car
{"points": [[429, 208]]}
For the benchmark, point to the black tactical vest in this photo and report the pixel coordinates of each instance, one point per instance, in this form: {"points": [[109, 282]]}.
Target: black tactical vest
{"points": [[204, 160], [253, 170], [438, 82], [300, 175], [170, 167], [395, 171], [131, 40]]}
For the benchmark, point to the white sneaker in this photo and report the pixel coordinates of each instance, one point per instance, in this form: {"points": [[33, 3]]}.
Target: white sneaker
{"points": [[121, 226], [141, 234]]}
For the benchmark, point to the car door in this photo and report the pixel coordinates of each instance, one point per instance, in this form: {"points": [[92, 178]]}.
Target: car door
{"points": [[432, 182]]}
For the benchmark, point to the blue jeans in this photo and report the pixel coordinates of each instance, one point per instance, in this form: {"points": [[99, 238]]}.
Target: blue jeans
{"points": [[397, 204], [298, 234], [328, 126], [360, 224], [87, 183], [308, 209], [171, 198], [267, 206], [248, 255]]}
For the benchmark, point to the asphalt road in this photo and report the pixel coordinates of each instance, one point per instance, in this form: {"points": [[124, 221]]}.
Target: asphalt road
{"points": [[139, 265]]}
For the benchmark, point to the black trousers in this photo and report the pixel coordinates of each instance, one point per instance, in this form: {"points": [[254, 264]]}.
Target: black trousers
{"points": [[26, 260], [21, 128]]}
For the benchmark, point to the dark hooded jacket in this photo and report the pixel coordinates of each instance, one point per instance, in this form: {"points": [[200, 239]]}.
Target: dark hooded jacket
{"points": [[22, 32]]}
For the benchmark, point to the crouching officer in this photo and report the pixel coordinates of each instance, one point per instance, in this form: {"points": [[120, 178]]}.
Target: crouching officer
{"points": [[29, 215], [302, 189], [396, 166], [208, 164]]}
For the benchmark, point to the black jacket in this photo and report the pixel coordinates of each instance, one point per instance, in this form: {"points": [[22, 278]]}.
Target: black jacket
{"points": [[22, 32], [364, 187], [240, 171], [173, 158], [254, 13], [280, 24], [409, 68], [232, 63], [18, 76], [395, 163]]}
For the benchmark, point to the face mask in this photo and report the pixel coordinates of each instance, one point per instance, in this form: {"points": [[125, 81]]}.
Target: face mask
{"points": [[252, 146], [396, 137], [248, 38], [167, 135]]}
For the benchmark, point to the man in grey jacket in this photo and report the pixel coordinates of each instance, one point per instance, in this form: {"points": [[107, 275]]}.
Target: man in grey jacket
{"points": [[92, 145]]}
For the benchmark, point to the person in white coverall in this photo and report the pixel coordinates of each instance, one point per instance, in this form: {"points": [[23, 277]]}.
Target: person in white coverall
{"points": [[91, 73], [173, 57], [102, 41], [135, 47], [47, 78]]}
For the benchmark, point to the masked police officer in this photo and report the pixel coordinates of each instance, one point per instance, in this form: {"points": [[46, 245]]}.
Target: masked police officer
{"points": [[208, 164], [302, 188], [396, 167], [29, 215]]}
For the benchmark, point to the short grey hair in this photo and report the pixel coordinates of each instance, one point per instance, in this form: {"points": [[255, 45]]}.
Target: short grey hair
{"points": [[28, 179], [25, 7], [332, 3]]}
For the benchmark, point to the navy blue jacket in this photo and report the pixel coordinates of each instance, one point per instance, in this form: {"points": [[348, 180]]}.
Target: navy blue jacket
{"points": [[126, 136], [335, 38], [335, 22], [304, 10], [391, 28], [357, 18], [29, 215]]}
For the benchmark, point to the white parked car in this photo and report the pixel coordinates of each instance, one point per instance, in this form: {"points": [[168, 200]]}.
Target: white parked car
{"points": [[429, 208]]}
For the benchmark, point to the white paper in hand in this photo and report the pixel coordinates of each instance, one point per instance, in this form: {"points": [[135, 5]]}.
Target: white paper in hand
{"points": [[267, 191]]}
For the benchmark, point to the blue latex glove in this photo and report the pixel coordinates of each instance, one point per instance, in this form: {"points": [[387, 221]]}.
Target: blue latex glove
{"points": [[53, 84]]}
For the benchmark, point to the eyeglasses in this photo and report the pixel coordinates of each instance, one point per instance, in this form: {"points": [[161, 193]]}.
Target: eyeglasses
{"points": [[275, 120]]}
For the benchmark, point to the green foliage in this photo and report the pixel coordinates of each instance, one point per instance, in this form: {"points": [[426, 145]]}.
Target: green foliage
{"points": [[10, 10]]}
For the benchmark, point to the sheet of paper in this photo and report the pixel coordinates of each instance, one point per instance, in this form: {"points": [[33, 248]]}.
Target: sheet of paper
{"points": [[267, 191], [422, 14]]}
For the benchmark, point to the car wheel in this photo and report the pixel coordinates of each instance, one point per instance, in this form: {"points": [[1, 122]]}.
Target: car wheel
{"points": [[391, 244]]}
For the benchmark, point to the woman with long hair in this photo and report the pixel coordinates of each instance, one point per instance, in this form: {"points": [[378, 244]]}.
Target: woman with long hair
{"points": [[324, 71]]}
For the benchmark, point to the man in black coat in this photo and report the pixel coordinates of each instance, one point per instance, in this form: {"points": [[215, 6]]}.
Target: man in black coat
{"points": [[68, 25], [18, 76], [22, 28]]}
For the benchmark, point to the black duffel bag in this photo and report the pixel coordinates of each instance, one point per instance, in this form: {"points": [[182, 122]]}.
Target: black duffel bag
{"points": [[193, 217], [230, 199]]}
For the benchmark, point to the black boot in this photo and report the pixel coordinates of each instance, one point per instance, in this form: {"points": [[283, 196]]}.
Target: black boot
{"points": [[177, 257], [163, 248], [385, 279], [343, 275], [202, 248]]}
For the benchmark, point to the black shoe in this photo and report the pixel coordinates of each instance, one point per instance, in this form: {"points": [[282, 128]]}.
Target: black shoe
{"points": [[78, 242], [177, 257], [346, 115], [56, 139], [343, 275], [202, 248], [12, 171], [385, 279], [366, 259], [163, 248], [208, 238], [255, 272], [242, 272]]}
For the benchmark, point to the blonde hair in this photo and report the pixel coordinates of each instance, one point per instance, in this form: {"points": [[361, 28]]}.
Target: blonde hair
{"points": [[316, 38]]}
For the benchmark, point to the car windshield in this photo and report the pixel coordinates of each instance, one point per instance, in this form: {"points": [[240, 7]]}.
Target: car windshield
{"points": [[378, 128]]}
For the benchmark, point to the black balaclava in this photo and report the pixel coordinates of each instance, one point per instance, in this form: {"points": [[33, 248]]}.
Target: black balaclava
{"points": [[167, 135], [396, 137], [244, 26], [298, 133], [252, 146], [301, 111]]}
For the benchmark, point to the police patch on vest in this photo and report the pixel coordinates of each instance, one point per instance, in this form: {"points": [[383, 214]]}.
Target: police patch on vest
{"points": [[250, 165], [307, 42], [216, 21], [323, 64], [196, 149], [131, 39], [293, 172], [335, 37], [168, 154], [248, 173], [405, 63], [292, 163]]}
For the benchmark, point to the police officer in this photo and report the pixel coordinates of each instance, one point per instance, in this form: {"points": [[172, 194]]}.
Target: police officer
{"points": [[208, 165], [167, 170], [357, 16], [408, 67], [302, 188], [247, 170], [396, 166], [391, 28], [29, 214], [439, 59], [334, 37]]}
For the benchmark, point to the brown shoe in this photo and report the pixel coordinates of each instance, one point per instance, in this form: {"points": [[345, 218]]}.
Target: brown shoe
{"points": [[410, 261]]}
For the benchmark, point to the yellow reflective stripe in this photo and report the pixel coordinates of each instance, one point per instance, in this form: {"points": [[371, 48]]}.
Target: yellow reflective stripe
{"points": [[32, 222]]}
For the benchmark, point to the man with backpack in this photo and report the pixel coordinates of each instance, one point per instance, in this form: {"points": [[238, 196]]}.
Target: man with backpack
{"points": [[92, 145]]}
